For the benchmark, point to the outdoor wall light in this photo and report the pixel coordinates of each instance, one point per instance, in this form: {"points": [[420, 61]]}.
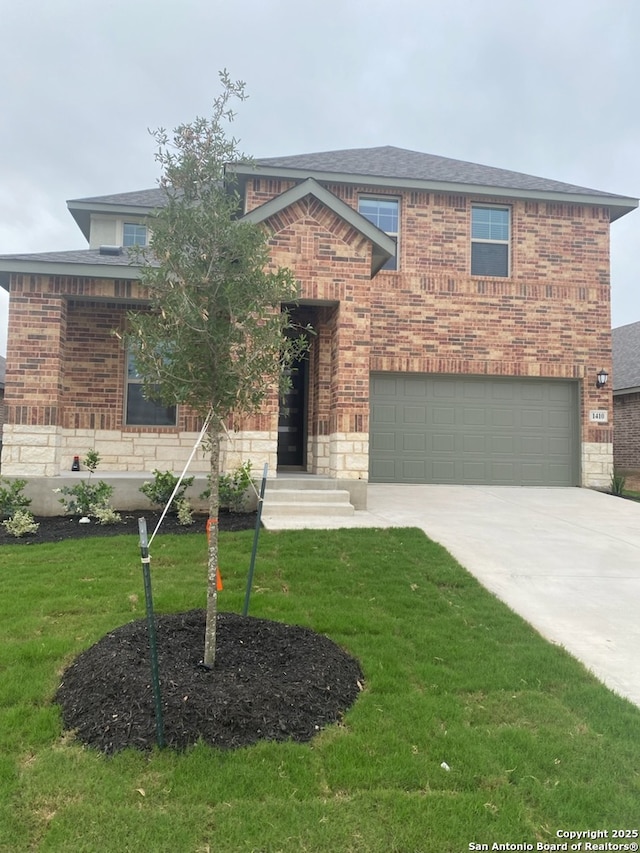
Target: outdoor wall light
{"points": [[603, 378]]}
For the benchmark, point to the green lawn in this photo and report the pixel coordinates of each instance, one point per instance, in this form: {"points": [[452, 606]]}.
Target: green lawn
{"points": [[534, 743]]}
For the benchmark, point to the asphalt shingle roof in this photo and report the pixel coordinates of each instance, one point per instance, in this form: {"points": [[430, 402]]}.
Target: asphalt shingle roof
{"points": [[386, 162], [78, 256], [138, 198], [390, 162], [626, 356]]}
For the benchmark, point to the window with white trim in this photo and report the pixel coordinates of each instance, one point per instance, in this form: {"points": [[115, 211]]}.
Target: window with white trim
{"points": [[140, 411], [490, 240], [134, 234], [384, 214]]}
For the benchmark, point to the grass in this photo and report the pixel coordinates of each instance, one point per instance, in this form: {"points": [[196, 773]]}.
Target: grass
{"points": [[533, 742]]}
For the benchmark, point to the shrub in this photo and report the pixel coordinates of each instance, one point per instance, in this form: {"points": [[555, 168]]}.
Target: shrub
{"points": [[85, 498], [21, 522], [11, 497], [233, 488], [90, 499], [159, 490]]}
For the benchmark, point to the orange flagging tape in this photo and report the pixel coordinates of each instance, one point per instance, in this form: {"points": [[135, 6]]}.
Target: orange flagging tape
{"points": [[218, 575]]}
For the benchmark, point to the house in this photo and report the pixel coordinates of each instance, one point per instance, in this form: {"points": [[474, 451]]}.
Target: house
{"points": [[461, 316], [626, 397]]}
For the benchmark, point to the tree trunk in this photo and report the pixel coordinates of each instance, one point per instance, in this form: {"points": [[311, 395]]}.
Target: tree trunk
{"points": [[212, 564]]}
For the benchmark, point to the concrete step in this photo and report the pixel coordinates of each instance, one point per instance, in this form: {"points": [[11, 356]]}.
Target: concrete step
{"points": [[301, 484], [307, 496], [298, 508], [313, 497]]}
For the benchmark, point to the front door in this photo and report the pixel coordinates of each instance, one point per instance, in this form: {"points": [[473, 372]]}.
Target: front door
{"points": [[291, 420]]}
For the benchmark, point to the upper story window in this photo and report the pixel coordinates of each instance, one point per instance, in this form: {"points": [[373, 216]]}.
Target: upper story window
{"points": [[134, 234], [138, 410], [383, 212], [490, 238]]}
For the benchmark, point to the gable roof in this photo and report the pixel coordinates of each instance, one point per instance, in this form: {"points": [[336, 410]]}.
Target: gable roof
{"points": [[383, 246], [626, 358], [401, 168]]}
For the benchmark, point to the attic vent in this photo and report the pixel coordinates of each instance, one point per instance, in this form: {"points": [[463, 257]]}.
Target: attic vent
{"points": [[110, 250]]}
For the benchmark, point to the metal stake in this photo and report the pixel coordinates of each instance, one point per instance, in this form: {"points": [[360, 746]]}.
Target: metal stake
{"points": [[151, 626], [255, 540]]}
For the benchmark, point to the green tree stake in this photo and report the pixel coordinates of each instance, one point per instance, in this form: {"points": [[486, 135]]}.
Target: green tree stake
{"points": [[256, 533], [155, 678]]}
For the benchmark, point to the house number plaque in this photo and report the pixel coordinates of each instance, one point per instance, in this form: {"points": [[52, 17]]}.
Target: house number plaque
{"points": [[599, 416]]}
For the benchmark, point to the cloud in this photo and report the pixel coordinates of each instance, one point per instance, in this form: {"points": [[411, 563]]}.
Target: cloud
{"points": [[547, 88]]}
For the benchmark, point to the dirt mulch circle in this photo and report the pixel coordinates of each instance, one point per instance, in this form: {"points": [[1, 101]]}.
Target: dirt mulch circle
{"points": [[60, 527], [270, 682]]}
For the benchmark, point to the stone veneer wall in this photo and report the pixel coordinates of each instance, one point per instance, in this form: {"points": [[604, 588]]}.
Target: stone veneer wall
{"points": [[36, 451], [597, 464]]}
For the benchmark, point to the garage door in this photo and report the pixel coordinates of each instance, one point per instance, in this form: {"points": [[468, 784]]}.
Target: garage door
{"points": [[473, 430]]}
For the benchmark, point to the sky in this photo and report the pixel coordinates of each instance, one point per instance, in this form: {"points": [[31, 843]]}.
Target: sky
{"points": [[545, 87]]}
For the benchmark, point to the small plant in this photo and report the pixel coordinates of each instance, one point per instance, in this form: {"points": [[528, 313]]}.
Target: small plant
{"points": [[91, 461], [618, 482], [233, 488], [11, 497], [87, 498], [185, 513], [159, 490], [105, 514], [21, 523]]}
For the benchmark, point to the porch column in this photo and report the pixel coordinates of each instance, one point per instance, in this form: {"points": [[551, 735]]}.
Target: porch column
{"points": [[34, 381], [349, 418]]}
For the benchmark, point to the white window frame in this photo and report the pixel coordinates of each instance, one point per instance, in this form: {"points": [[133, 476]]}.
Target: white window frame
{"points": [[137, 226], [393, 264], [492, 240]]}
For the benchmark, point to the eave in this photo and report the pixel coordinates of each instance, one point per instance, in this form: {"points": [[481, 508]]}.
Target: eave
{"points": [[81, 212], [619, 392], [618, 205], [65, 269]]}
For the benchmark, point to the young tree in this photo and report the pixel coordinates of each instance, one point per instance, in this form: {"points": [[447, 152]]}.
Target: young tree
{"points": [[214, 338]]}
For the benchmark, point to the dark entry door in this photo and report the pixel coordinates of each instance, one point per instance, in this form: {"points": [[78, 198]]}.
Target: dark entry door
{"points": [[291, 421]]}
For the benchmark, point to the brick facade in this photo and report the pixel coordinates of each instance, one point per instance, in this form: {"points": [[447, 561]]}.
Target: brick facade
{"points": [[626, 448], [549, 318]]}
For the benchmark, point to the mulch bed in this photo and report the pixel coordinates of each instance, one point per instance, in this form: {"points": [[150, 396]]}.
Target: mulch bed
{"points": [[60, 527], [271, 681]]}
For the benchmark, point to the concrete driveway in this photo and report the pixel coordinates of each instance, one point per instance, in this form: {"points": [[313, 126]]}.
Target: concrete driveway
{"points": [[567, 560]]}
